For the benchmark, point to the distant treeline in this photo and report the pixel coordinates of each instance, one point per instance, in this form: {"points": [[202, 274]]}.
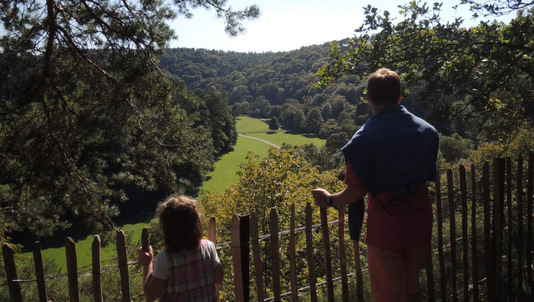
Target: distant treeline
{"points": [[279, 85]]}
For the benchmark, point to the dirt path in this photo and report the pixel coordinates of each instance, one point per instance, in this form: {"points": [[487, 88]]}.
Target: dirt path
{"points": [[259, 139]]}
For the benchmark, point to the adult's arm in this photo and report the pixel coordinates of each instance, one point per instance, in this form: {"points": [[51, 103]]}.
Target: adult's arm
{"points": [[349, 195]]}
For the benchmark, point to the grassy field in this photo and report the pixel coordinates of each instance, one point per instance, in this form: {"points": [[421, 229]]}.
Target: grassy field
{"points": [[257, 128], [226, 168], [223, 175]]}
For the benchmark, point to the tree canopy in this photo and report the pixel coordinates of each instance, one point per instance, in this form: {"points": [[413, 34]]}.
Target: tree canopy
{"points": [[454, 71], [88, 119]]}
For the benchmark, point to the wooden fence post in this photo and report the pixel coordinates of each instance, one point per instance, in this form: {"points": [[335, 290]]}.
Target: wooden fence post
{"points": [[15, 294], [487, 231], [530, 185], [97, 280], [359, 278], [212, 230], [452, 231], [123, 266], [327, 254], [520, 225], [439, 210], [275, 253], [256, 253], [292, 256], [498, 197], [72, 269], [342, 256], [236, 259], [474, 257], [309, 254], [430, 277], [39, 272], [144, 239], [244, 228], [212, 233], [465, 240], [240, 255], [509, 254]]}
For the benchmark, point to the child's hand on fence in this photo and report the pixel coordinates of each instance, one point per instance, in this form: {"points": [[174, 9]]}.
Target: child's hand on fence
{"points": [[145, 257]]}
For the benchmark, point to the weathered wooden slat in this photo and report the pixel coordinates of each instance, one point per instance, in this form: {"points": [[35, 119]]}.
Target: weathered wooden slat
{"points": [[439, 214], [256, 254], [275, 253], [309, 254], [97, 279], [520, 228], [465, 240], [212, 230], [39, 272], [244, 229], [430, 277], [292, 256], [498, 209], [15, 294], [144, 239], [474, 250], [530, 185], [509, 255], [123, 266], [236, 259], [327, 254], [487, 230], [452, 232], [342, 255], [359, 277], [72, 270]]}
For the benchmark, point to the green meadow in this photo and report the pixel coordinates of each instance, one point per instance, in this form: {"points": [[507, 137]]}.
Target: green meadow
{"points": [[227, 166], [255, 132], [257, 128]]}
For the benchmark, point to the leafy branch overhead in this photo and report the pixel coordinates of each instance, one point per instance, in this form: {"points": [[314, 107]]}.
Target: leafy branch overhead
{"points": [[441, 60], [88, 120], [500, 7]]}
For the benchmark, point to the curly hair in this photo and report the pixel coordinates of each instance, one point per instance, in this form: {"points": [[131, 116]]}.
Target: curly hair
{"points": [[180, 222], [384, 87]]}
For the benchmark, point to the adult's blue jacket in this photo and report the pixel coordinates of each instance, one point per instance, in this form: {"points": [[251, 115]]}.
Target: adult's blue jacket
{"points": [[394, 150]]}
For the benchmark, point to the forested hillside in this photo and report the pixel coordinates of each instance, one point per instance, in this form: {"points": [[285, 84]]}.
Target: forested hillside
{"points": [[474, 84], [276, 85], [245, 77]]}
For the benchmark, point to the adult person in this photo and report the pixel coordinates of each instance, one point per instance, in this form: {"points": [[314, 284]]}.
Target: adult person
{"points": [[390, 159]]}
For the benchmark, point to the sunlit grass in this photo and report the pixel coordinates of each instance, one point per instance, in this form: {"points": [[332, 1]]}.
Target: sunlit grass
{"points": [[257, 128], [226, 167]]}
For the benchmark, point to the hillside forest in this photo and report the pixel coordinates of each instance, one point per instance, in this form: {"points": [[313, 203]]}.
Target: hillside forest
{"points": [[99, 117]]}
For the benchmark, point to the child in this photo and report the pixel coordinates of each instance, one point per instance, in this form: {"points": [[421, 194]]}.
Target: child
{"points": [[189, 268]]}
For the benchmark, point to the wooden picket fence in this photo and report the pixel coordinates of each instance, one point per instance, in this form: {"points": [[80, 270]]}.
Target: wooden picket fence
{"points": [[504, 197]]}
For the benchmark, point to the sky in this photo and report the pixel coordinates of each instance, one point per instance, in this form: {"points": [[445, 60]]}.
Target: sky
{"points": [[286, 25]]}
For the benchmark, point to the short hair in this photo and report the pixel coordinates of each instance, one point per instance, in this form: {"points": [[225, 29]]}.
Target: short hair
{"points": [[180, 223], [384, 87]]}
